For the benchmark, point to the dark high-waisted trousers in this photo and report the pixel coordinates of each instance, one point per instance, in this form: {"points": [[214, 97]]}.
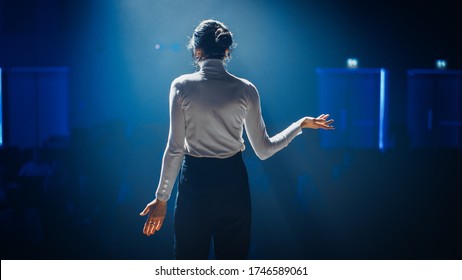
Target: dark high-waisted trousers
{"points": [[213, 203]]}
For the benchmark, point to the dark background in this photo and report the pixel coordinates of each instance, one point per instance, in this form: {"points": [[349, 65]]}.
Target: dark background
{"points": [[309, 203]]}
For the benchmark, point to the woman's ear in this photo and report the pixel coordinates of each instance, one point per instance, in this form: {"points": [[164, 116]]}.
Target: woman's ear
{"points": [[198, 53]]}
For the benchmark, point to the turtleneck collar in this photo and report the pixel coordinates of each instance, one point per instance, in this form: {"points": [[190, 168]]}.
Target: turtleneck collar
{"points": [[212, 65]]}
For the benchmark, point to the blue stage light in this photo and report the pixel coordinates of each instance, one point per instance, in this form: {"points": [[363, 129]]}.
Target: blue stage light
{"points": [[1, 110], [441, 64], [352, 63]]}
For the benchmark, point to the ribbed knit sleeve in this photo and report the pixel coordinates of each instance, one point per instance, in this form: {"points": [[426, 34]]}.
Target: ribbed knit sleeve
{"points": [[174, 151], [263, 145]]}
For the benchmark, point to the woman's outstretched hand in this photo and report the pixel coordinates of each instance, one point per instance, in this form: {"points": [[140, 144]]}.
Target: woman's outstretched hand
{"points": [[156, 210], [319, 122]]}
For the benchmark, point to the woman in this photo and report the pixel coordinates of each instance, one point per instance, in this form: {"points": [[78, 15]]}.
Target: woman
{"points": [[208, 111]]}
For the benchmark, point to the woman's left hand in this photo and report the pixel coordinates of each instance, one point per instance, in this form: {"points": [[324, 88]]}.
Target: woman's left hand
{"points": [[320, 122]]}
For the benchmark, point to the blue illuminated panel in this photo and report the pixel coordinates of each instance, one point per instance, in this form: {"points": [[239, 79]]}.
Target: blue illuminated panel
{"points": [[1, 110], [434, 108], [357, 100], [37, 102]]}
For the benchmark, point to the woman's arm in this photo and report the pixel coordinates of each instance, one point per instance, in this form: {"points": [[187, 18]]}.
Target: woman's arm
{"points": [[265, 146], [171, 162], [174, 151]]}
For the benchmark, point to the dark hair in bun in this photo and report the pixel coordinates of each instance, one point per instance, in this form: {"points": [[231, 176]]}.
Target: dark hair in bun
{"points": [[213, 38], [223, 38]]}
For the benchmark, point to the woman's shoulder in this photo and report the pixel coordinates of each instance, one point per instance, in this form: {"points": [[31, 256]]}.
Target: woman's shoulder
{"points": [[242, 81], [185, 78], [192, 78]]}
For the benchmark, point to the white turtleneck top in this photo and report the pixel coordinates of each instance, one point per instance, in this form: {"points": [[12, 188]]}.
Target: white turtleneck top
{"points": [[208, 111]]}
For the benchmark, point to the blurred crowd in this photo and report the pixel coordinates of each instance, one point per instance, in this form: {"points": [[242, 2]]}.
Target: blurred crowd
{"points": [[67, 201]]}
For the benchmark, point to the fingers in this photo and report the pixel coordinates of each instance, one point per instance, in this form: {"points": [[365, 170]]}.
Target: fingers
{"points": [[156, 225], [155, 219], [159, 224], [149, 228], [327, 125], [322, 122], [152, 229], [146, 228], [145, 211], [152, 225], [323, 116]]}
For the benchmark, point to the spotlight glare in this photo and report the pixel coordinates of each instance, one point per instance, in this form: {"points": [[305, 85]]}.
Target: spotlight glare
{"points": [[157, 46], [352, 63], [441, 64]]}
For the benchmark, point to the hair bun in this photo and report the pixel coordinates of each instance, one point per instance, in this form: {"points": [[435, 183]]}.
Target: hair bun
{"points": [[223, 38], [214, 40]]}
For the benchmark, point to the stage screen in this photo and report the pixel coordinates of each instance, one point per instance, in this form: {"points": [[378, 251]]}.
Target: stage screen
{"points": [[1, 110]]}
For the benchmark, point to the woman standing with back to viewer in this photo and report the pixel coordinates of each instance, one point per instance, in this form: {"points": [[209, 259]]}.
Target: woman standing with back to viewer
{"points": [[208, 111]]}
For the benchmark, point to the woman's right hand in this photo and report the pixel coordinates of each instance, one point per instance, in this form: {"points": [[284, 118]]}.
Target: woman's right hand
{"points": [[156, 211]]}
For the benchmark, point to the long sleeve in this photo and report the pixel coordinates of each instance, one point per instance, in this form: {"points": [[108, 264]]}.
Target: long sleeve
{"points": [[263, 145], [174, 151]]}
